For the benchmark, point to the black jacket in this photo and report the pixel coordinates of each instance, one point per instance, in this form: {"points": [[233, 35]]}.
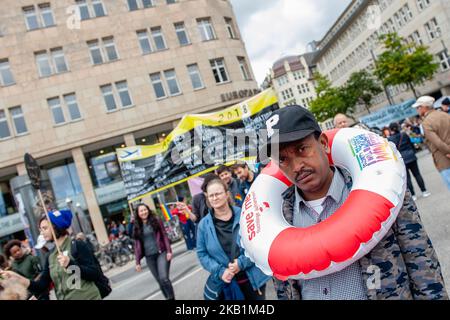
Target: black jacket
{"points": [[405, 146], [199, 206]]}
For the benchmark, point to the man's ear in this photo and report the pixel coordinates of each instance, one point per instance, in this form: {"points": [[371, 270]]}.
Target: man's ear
{"points": [[323, 140]]}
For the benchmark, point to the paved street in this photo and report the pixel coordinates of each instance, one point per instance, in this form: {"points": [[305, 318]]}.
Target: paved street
{"points": [[188, 277]]}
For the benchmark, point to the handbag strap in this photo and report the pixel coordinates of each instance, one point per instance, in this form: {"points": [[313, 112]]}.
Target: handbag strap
{"points": [[400, 141]]}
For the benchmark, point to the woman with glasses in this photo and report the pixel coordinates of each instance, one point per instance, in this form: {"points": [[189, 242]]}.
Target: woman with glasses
{"points": [[233, 276]]}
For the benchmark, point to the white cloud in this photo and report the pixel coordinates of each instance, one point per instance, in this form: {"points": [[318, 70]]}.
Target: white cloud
{"points": [[272, 29]]}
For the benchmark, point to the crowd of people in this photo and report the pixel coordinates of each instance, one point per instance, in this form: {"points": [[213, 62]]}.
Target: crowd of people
{"points": [[406, 259]]}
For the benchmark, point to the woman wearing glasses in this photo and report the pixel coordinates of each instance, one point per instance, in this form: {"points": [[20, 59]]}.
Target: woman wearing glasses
{"points": [[233, 276]]}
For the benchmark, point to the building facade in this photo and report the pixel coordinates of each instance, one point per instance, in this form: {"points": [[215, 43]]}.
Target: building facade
{"points": [[292, 79], [72, 90], [351, 44]]}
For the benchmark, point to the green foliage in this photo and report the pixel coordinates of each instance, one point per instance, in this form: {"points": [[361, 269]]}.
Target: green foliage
{"points": [[362, 88], [330, 100], [404, 63]]}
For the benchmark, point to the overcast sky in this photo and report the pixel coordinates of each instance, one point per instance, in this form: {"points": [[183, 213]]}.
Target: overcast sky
{"points": [[275, 28]]}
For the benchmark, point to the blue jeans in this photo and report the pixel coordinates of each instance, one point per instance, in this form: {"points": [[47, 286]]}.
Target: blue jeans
{"points": [[446, 176], [189, 233]]}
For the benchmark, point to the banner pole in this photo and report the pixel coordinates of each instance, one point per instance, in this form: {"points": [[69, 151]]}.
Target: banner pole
{"points": [[49, 221]]}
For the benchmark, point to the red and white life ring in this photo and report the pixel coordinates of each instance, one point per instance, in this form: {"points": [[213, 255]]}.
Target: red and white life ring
{"points": [[376, 197]]}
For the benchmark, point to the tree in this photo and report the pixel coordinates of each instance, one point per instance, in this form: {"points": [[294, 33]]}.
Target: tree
{"points": [[404, 63], [330, 100], [362, 87]]}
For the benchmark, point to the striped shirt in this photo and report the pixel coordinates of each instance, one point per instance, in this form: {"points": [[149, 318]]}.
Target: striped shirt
{"points": [[347, 284]]}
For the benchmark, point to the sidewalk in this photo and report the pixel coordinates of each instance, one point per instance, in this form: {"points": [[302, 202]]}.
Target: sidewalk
{"points": [[178, 248]]}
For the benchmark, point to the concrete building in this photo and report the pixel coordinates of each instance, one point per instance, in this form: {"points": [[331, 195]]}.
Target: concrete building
{"points": [[72, 91], [292, 79], [348, 45]]}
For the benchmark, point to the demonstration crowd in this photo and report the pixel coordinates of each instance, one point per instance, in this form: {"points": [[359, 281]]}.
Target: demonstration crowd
{"points": [[408, 264]]}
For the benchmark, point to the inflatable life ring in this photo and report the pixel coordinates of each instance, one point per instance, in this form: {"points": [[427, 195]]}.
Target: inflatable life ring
{"points": [[376, 197]]}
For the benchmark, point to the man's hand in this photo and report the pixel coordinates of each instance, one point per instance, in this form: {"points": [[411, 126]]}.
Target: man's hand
{"points": [[138, 268], [227, 276], [169, 256], [234, 267]]}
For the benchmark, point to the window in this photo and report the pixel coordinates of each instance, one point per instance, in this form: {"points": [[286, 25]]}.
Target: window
{"points": [[46, 15], [195, 76], [433, 29], [144, 41], [172, 82], [206, 29], [406, 13], [51, 62], [157, 85], [90, 8], [391, 26], [399, 20], [6, 77], [102, 51], [110, 48], [244, 68], [83, 9], [40, 16], [444, 60], [139, 4], [59, 60], [219, 70], [298, 75], [171, 1], [99, 10], [282, 80], [181, 33], [287, 94], [65, 181], [230, 28], [56, 110], [43, 63], [122, 89], [72, 106], [109, 97], [4, 127], [117, 92], [423, 4], [415, 37], [18, 120], [158, 38]]}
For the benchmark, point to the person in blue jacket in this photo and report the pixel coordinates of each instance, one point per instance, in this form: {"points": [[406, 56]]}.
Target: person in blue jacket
{"points": [[233, 275]]}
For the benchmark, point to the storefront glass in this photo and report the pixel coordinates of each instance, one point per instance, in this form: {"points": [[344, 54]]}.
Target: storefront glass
{"points": [[7, 203]]}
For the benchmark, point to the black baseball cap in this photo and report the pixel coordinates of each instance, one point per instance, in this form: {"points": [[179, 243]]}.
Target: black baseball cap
{"points": [[446, 101], [289, 124]]}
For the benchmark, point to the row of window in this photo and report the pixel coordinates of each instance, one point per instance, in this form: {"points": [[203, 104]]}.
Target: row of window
{"points": [[104, 50], [362, 51], [305, 102], [41, 15], [284, 79], [116, 95], [302, 89], [398, 20]]}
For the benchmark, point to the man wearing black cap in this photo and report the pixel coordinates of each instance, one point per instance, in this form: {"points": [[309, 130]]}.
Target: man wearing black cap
{"points": [[405, 260]]}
